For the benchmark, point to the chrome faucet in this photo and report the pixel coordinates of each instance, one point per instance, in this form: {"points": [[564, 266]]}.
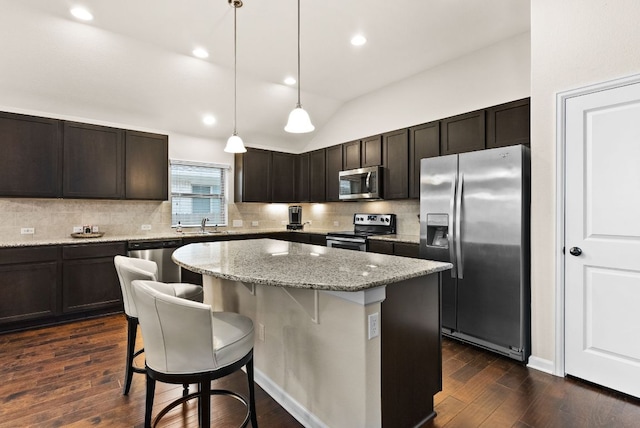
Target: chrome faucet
{"points": [[203, 224]]}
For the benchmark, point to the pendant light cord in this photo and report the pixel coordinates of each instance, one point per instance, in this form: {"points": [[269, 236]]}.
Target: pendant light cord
{"points": [[235, 72], [299, 105]]}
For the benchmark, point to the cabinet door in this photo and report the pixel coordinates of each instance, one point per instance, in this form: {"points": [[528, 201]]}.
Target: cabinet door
{"points": [[334, 166], [146, 166], [382, 247], [30, 161], [301, 187], [395, 146], [351, 155], [509, 124], [253, 176], [89, 278], [28, 283], [463, 133], [371, 151], [424, 142], [93, 161], [283, 177], [406, 249], [318, 239], [317, 172]]}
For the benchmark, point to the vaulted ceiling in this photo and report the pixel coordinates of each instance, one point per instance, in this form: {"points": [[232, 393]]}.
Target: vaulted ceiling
{"points": [[133, 63]]}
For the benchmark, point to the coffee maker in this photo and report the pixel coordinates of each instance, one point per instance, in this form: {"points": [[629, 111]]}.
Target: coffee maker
{"points": [[295, 218]]}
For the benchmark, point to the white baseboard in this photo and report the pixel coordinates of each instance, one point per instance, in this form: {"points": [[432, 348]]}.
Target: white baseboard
{"points": [[541, 364], [309, 420]]}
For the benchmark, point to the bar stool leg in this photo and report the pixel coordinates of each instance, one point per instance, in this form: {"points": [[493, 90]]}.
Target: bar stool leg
{"points": [[252, 395], [132, 330]]}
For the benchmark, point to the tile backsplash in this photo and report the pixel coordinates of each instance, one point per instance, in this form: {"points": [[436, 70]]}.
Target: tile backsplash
{"points": [[55, 218]]}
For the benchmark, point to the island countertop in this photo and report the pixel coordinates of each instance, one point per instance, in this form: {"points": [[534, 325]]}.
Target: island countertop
{"points": [[296, 265]]}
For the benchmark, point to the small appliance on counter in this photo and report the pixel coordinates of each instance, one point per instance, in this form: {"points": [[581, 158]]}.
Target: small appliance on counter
{"points": [[295, 218], [364, 225]]}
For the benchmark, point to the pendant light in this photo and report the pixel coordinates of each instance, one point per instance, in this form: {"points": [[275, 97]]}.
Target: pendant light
{"points": [[299, 121], [234, 143]]}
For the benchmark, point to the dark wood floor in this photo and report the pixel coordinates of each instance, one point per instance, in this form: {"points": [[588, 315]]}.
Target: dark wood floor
{"points": [[71, 376]]}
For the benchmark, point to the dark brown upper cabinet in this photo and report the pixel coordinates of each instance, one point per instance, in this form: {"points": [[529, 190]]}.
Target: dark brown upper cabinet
{"points": [[424, 142], [351, 155], [371, 151], [317, 172], [509, 124], [395, 155], [30, 164], [301, 185], [462, 133], [146, 166], [283, 177], [362, 153], [93, 161], [334, 166], [253, 176]]}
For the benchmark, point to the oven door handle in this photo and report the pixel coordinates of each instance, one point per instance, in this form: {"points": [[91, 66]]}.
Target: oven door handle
{"points": [[341, 239]]}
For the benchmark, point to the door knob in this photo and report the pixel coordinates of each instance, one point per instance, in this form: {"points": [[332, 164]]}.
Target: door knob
{"points": [[575, 251]]}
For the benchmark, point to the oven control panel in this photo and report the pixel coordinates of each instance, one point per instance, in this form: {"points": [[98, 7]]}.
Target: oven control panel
{"points": [[373, 219]]}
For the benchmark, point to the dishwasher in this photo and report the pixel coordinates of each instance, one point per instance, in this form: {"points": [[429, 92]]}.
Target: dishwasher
{"points": [[158, 251]]}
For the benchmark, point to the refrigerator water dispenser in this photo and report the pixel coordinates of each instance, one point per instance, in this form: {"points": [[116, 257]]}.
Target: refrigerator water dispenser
{"points": [[437, 230]]}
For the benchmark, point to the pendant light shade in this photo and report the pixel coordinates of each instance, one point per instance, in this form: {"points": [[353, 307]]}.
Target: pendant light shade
{"points": [[299, 121], [234, 143]]}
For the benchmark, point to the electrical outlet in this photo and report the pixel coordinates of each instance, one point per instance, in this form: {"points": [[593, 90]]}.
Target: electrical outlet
{"points": [[146, 227], [254, 223], [237, 223], [261, 332], [27, 231], [373, 326], [77, 229], [336, 223]]}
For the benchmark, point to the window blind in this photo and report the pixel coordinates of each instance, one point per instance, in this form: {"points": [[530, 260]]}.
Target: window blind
{"points": [[198, 191]]}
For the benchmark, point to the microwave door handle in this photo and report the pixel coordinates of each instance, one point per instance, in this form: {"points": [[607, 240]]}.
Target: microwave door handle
{"points": [[367, 182]]}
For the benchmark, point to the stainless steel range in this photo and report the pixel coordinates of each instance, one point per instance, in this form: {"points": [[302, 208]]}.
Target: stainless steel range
{"points": [[364, 225]]}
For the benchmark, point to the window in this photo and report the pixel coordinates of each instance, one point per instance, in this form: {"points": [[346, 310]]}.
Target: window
{"points": [[198, 190]]}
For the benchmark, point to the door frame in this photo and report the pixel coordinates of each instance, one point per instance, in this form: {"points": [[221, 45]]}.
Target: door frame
{"points": [[561, 100]]}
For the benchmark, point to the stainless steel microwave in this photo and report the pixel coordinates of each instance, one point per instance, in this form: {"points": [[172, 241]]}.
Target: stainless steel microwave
{"points": [[361, 183]]}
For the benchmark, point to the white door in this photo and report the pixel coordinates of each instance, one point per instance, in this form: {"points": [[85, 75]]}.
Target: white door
{"points": [[602, 220]]}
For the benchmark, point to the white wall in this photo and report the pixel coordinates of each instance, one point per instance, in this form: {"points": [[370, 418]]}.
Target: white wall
{"points": [[573, 43], [490, 76]]}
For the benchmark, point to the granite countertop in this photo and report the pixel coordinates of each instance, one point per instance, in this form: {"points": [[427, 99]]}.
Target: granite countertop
{"points": [[295, 265], [409, 239], [29, 241]]}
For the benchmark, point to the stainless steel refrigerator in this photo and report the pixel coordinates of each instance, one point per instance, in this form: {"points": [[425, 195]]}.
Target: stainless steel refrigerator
{"points": [[474, 213]]}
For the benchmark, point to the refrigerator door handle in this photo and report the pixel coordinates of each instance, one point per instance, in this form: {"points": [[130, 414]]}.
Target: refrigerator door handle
{"points": [[458, 232], [451, 234]]}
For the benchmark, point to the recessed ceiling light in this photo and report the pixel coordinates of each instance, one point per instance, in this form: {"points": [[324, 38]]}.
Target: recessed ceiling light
{"points": [[209, 120], [200, 53], [358, 40], [290, 81], [81, 13]]}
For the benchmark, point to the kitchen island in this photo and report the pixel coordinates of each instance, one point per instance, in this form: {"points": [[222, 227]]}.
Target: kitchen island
{"points": [[343, 338]]}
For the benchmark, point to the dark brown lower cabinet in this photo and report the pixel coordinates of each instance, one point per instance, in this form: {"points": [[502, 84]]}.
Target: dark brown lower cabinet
{"points": [[381, 247], [89, 279], [28, 284], [404, 249]]}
